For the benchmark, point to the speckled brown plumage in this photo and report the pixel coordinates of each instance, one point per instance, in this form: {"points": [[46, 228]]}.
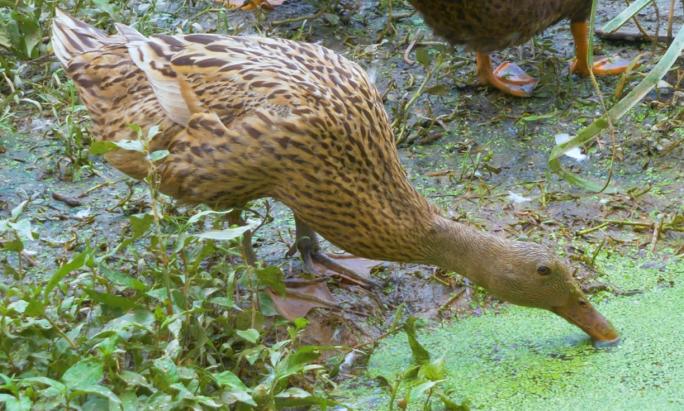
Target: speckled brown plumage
{"points": [[265, 118], [245, 118], [493, 25], [486, 26]]}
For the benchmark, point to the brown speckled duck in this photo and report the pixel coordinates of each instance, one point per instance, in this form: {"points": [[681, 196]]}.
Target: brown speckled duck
{"points": [[245, 118], [493, 25]]}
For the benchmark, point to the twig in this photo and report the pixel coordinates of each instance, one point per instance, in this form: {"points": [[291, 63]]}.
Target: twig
{"points": [[590, 230], [60, 332], [451, 300], [374, 340], [407, 60], [590, 58], [670, 20], [657, 30], [656, 233], [404, 16], [389, 25], [439, 280]]}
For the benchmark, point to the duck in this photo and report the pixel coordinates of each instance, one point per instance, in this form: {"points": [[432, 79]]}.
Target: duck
{"points": [[486, 26], [244, 118]]}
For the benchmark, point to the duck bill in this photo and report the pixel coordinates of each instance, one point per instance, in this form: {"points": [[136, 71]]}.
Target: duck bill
{"points": [[585, 316]]}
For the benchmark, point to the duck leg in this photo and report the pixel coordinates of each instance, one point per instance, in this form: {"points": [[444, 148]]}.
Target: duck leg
{"points": [[602, 66], [318, 263], [508, 77]]}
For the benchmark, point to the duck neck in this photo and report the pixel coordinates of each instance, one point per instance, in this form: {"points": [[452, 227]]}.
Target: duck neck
{"points": [[458, 248]]}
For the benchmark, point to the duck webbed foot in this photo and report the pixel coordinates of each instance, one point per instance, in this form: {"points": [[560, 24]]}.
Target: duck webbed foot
{"points": [[602, 66], [325, 265], [607, 66], [508, 77]]}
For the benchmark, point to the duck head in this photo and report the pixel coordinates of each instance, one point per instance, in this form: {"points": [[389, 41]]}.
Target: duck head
{"points": [[532, 275], [522, 273]]}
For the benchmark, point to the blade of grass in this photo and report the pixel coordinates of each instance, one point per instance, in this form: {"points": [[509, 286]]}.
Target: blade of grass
{"points": [[625, 15], [615, 113]]}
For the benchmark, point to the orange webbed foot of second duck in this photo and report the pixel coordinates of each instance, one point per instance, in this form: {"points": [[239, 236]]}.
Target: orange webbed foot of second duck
{"points": [[608, 66], [602, 66], [508, 77]]}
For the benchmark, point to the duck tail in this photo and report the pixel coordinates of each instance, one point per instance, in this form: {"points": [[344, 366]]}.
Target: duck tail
{"points": [[71, 37]]}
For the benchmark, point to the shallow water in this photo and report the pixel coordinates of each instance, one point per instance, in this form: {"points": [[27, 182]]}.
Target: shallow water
{"points": [[525, 359]]}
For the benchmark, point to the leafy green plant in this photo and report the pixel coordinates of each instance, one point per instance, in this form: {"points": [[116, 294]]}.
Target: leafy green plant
{"points": [[166, 319], [74, 137], [20, 29]]}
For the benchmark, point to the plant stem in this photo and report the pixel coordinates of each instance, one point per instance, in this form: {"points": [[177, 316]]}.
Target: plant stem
{"points": [[60, 332]]}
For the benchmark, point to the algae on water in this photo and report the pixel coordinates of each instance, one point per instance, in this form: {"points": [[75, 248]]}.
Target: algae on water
{"points": [[525, 359]]}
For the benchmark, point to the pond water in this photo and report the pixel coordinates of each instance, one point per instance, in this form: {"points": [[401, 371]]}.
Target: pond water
{"points": [[526, 359]]}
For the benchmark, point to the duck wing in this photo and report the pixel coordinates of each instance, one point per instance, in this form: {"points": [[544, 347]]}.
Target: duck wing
{"points": [[113, 88]]}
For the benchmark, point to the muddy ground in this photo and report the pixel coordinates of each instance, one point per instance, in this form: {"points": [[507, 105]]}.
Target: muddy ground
{"points": [[485, 146]]}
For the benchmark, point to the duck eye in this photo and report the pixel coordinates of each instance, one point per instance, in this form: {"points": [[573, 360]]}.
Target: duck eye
{"points": [[543, 270]]}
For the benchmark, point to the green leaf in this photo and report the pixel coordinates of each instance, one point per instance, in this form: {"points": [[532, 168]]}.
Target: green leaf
{"points": [[195, 218], [420, 354], [133, 379], [297, 397], [242, 396], [44, 380], [250, 335], [271, 276], [23, 228], [452, 406], [35, 308], [112, 300], [228, 379], [84, 373], [27, 34], [140, 223], [333, 19], [5, 397], [168, 369], [18, 210], [420, 390], [226, 302], [131, 145], [129, 401], [23, 404], [398, 315], [121, 279], [15, 245], [114, 401], [423, 57], [158, 155], [223, 235], [77, 262], [102, 147], [138, 318], [438, 90], [435, 370], [153, 131], [266, 306], [412, 372]]}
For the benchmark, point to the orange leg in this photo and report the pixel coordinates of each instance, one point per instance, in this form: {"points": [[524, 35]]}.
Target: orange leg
{"points": [[508, 77], [603, 66]]}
